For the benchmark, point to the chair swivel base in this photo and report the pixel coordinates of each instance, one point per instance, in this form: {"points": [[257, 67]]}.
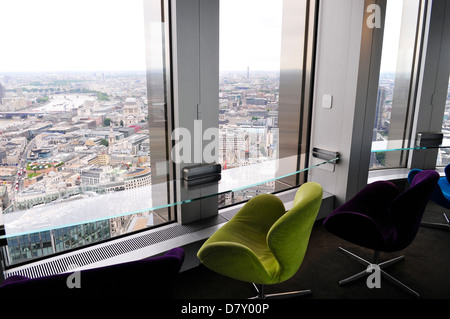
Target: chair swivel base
{"points": [[380, 265], [438, 225], [291, 294]]}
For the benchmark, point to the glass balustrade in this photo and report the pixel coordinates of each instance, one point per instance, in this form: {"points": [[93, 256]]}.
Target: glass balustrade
{"points": [[97, 208], [95, 214]]}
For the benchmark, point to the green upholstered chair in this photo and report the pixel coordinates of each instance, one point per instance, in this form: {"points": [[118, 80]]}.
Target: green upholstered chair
{"points": [[263, 244]]}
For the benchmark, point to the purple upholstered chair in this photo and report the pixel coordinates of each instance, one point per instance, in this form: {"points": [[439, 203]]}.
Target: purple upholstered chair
{"points": [[150, 278], [383, 219]]}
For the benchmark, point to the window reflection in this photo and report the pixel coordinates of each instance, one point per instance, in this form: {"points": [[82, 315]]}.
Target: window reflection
{"points": [[394, 106], [444, 153]]}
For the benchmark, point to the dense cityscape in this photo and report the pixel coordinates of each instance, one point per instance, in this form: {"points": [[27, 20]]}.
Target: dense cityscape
{"points": [[68, 136], [62, 133], [383, 120]]}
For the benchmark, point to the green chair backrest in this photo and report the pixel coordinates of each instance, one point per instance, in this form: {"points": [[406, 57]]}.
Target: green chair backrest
{"points": [[289, 236]]}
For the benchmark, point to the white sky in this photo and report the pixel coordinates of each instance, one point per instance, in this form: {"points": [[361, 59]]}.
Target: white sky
{"points": [[391, 36], [103, 35], [250, 34], [55, 35]]}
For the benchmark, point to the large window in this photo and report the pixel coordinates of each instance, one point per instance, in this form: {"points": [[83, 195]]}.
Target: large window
{"points": [[250, 48], [444, 153], [396, 91], [86, 112], [74, 122], [262, 47]]}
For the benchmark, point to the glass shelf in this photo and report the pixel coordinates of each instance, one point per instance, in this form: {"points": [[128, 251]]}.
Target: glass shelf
{"points": [[95, 207], [99, 207], [409, 149]]}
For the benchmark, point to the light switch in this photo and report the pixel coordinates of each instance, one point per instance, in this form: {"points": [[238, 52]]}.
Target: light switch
{"points": [[327, 101]]}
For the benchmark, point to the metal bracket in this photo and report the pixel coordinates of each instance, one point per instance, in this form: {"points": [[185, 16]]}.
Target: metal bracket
{"points": [[429, 139], [201, 174], [325, 155]]}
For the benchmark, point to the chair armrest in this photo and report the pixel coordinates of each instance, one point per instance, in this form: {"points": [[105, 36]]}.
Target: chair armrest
{"points": [[373, 200], [356, 228], [364, 219], [233, 260], [177, 252]]}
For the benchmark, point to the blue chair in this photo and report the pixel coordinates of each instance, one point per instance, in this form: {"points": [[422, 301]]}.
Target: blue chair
{"points": [[440, 195]]}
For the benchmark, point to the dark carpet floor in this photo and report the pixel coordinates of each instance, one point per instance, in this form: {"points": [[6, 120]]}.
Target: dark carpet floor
{"points": [[426, 269]]}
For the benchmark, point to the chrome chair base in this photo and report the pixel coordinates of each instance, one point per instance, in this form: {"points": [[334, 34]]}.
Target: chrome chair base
{"points": [[438, 225], [380, 265], [263, 295]]}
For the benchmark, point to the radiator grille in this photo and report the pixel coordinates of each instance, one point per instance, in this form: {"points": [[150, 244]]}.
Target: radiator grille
{"points": [[99, 253]]}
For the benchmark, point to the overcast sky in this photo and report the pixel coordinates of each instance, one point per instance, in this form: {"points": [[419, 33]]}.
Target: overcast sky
{"points": [[102, 35], [391, 36], [250, 34], [54, 35]]}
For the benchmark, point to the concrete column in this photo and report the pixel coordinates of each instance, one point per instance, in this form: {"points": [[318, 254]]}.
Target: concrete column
{"points": [[195, 58], [347, 69]]}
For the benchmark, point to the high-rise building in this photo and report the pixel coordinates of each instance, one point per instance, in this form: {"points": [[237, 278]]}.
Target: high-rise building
{"points": [[380, 107], [2, 93]]}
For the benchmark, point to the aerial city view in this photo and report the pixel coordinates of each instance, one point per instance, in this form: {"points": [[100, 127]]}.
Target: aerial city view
{"points": [[383, 120], [74, 114], [68, 136], [65, 135], [61, 131]]}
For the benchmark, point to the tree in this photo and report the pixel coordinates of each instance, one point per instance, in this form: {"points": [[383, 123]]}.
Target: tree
{"points": [[104, 142], [102, 96], [107, 122]]}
